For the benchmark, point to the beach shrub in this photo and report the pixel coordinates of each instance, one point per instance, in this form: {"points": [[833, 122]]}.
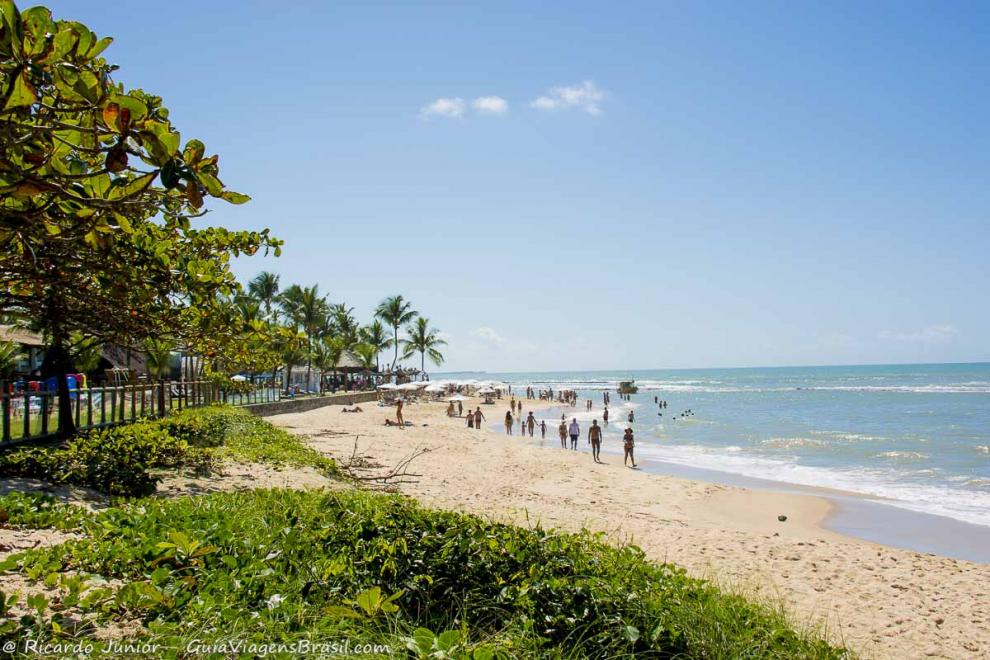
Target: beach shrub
{"points": [[121, 460], [116, 461], [277, 566]]}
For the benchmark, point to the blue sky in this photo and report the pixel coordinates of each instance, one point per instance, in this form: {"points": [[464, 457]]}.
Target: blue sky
{"points": [[604, 185]]}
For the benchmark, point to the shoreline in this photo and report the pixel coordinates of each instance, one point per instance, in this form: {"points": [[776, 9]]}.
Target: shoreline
{"points": [[860, 516], [880, 601]]}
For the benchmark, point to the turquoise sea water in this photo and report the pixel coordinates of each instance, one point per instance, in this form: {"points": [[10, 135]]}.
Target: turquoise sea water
{"points": [[916, 435]]}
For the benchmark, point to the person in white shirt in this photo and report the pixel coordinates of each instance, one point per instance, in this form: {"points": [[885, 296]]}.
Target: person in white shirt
{"points": [[575, 431]]}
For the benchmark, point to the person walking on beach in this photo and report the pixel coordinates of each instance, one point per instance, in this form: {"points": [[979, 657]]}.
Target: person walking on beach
{"points": [[605, 416], [398, 414], [595, 439], [531, 423], [478, 417], [632, 417], [575, 431], [543, 429], [563, 434], [470, 420], [508, 423], [460, 408], [627, 446], [512, 404]]}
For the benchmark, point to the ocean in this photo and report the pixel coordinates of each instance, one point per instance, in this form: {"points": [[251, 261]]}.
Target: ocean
{"points": [[914, 436]]}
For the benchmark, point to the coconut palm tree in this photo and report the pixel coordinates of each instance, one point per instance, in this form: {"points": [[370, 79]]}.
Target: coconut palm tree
{"points": [[376, 336], [367, 355], [10, 355], [158, 354], [264, 289], [343, 324], [396, 312], [327, 354], [423, 340], [308, 311]]}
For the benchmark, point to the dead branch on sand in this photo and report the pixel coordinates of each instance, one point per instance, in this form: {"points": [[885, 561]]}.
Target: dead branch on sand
{"points": [[356, 468]]}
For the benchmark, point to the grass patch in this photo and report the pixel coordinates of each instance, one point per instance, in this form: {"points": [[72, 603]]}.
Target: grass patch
{"points": [[278, 566], [122, 460]]}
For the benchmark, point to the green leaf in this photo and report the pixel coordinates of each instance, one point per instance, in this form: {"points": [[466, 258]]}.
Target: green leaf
{"points": [[235, 197], [131, 187], [138, 108], [193, 153], [99, 47], [23, 93], [211, 183]]}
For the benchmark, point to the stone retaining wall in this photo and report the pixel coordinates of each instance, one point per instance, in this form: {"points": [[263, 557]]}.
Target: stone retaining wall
{"points": [[310, 403]]}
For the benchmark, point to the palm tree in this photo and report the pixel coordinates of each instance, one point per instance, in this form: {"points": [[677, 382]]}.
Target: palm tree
{"points": [[423, 340], [343, 324], [158, 354], [367, 355], [308, 311], [327, 354], [10, 355], [395, 311], [293, 353], [376, 336], [264, 289]]}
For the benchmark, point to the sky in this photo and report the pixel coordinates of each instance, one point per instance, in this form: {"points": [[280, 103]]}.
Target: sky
{"points": [[602, 185]]}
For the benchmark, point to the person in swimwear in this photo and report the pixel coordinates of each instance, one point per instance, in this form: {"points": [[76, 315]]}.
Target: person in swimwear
{"points": [[627, 446], [508, 423], [575, 432], [478, 417], [563, 434], [595, 440], [530, 423]]}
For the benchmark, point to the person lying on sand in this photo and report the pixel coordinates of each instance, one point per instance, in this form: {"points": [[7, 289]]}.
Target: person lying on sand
{"points": [[389, 422], [351, 410]]}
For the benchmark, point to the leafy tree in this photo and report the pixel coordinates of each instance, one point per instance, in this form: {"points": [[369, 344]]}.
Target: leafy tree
{"points": [[423, 340], [376, 336], [264, 289], [342, 324], [396, 312], [97, 201]]}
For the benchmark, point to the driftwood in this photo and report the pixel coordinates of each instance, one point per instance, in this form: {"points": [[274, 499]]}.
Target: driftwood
{"points": [[356, 468]]}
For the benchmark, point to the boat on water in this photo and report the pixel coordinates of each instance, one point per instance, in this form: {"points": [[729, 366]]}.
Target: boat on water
{"points": [[627, 387]]}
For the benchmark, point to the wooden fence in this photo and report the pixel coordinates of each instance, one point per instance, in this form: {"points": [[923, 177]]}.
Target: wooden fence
{"points": [[33, 416]]}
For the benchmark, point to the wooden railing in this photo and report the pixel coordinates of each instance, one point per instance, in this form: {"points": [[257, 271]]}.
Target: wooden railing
{"points": [[33, 416]]}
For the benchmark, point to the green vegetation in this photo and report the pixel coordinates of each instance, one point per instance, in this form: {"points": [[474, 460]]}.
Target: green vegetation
{"points": [[98, 189], [123, 460], [278, 566]]}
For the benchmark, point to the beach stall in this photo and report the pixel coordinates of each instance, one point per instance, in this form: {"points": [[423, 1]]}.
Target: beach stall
{"points": [[488, 393]]}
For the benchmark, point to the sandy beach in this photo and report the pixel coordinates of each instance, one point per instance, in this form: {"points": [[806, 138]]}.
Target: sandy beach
{"points": [[880, 601]]}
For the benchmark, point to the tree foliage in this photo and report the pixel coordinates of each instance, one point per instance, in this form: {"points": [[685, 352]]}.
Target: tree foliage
{"points": [[99, 197]]}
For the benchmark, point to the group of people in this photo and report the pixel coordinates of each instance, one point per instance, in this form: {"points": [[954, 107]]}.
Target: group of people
{"points": [[595, 437], [528, 423]]}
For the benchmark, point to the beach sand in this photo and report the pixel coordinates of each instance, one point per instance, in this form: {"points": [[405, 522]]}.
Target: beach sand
{"points": [[882, 602]]}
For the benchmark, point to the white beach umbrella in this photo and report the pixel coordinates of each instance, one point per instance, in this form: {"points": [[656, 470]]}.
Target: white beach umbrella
{"points": [[388, 386], [458, 397], [486, 390], [408, 387], [435, 387], [238, 378]]}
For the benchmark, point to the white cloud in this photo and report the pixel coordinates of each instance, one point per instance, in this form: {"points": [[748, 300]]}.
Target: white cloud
{"points": [[586, 96], [489, 335], [444, 107], [933, 334], [490, 105]]}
